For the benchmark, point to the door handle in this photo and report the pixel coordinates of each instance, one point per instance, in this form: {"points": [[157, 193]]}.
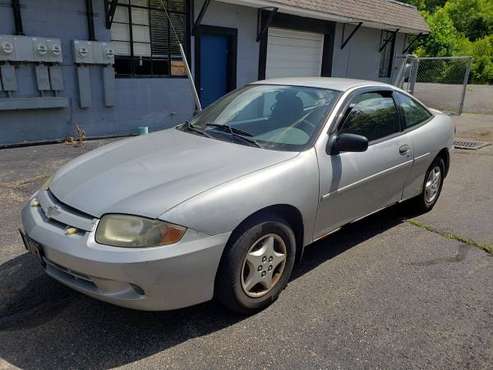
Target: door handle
{"points": [[404, 149]]}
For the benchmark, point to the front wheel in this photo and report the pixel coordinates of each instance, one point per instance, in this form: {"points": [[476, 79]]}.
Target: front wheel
{"points": [[256, 266]]}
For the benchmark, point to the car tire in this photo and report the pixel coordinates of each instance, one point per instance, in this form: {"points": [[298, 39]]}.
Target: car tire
{"points": [[252, 260], [432, 188]]}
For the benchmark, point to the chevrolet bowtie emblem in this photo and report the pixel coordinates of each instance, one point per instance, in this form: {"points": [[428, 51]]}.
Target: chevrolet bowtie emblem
{"points": [[52, 211]]}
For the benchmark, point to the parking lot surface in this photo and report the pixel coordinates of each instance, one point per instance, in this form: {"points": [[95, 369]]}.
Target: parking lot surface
{"points": [[393, 291]]}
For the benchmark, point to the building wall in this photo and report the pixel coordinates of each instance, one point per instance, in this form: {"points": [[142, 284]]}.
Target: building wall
{"points": [[6, 17], [154, 102], [361, 58], [244, 19]]}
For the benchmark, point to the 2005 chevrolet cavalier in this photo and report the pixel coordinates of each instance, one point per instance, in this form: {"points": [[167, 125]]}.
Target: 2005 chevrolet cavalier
{"points": [[223, 206]]}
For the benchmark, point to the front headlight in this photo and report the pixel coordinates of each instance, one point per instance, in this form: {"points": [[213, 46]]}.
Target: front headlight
{"points": [[137, 232]]}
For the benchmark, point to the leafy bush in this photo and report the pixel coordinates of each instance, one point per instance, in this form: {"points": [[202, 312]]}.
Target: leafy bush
{"points": [[459, 28]]}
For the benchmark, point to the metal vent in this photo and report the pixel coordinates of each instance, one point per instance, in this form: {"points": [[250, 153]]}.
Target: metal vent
{"points": [[469, 144]]}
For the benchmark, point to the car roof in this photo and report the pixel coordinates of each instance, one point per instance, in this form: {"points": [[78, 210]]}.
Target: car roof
{"points": [[340, 84]]}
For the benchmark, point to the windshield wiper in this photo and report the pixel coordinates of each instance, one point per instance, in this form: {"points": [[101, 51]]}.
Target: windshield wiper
{"points": [[188, 126], [236, 133], [229, 128]]}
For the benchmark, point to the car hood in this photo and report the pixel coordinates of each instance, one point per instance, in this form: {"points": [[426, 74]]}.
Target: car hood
{"points": [[150, 174]]}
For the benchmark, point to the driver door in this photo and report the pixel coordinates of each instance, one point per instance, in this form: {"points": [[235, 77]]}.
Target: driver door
{"points": [[354, 185]]}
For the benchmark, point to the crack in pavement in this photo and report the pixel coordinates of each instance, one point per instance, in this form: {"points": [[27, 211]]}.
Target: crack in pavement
{"points": [[19, 184], [488, 248], [19, 190]]}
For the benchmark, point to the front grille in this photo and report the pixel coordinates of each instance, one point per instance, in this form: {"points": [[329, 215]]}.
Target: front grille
{"points": [[62, 215], [66, 207], [52, 221]]}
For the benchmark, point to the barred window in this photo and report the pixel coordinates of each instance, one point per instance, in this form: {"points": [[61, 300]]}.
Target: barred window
{"points": [[387, 54], [143, 39]]}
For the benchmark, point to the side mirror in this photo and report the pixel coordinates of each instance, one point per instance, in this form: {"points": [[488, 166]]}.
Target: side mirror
{"points": [[347, 143]]}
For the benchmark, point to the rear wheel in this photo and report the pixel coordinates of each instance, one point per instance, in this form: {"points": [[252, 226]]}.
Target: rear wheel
{"points": [[256, 266], [432, 187]]}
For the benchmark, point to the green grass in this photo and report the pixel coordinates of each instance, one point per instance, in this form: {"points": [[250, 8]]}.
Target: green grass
{"points": [[488, 248]]}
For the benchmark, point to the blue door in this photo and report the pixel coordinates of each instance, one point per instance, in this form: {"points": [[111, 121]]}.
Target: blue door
{"points": [[214, 67]]}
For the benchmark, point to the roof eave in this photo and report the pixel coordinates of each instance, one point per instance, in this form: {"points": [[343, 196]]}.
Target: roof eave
{"points": [[323, 16]]}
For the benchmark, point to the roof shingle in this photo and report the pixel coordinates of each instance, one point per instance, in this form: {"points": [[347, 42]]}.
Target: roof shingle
{"points": [[389, 13]]}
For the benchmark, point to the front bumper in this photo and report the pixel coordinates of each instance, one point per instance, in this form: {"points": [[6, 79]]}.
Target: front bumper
{"points": [[154, 279]]}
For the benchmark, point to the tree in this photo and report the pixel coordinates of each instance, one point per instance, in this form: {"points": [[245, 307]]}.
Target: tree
{"points": [[443, 38], [459, 28], [473, 18], [426, 5], [482, 65]]}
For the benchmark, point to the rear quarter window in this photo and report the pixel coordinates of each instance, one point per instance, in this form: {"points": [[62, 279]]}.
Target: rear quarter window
{"points": [[414, 113]]}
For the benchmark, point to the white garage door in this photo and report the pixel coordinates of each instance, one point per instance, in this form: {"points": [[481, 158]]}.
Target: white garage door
{"points": [[293, 53]]}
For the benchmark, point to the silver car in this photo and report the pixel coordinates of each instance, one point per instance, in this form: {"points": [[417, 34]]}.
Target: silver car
{"points": [[223, 206]]}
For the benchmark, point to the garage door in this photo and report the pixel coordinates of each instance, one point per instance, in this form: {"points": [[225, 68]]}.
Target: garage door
{"points": [[293, 53]]}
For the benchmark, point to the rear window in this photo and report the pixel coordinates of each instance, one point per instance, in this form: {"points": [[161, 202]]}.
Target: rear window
{"points": [[414, 113]]}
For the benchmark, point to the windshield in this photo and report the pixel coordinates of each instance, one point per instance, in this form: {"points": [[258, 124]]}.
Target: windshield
{"points": [[270, 116]]}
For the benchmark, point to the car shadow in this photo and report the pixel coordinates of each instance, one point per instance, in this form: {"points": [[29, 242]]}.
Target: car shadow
{"points": [[351, 235], [43, 324]]}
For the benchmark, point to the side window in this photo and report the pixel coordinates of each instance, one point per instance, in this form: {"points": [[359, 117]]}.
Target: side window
{"points": [[373, 115], [414, 113]]}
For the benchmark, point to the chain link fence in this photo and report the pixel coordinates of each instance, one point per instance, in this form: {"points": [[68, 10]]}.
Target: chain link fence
{"points": [[439, 82]]}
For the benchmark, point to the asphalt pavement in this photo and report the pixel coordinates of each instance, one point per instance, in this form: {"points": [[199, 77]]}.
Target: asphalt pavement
{"points": [[393, 291]]}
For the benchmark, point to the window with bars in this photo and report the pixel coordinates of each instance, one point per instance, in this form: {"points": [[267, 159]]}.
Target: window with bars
{"points": [[387, 54], [143, 39]]}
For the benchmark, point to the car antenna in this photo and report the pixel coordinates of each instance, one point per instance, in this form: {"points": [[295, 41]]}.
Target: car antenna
{"points": [[198, 105]]}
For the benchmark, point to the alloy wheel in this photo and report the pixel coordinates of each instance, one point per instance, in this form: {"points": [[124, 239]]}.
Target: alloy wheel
{"points": [[432, 185]]}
